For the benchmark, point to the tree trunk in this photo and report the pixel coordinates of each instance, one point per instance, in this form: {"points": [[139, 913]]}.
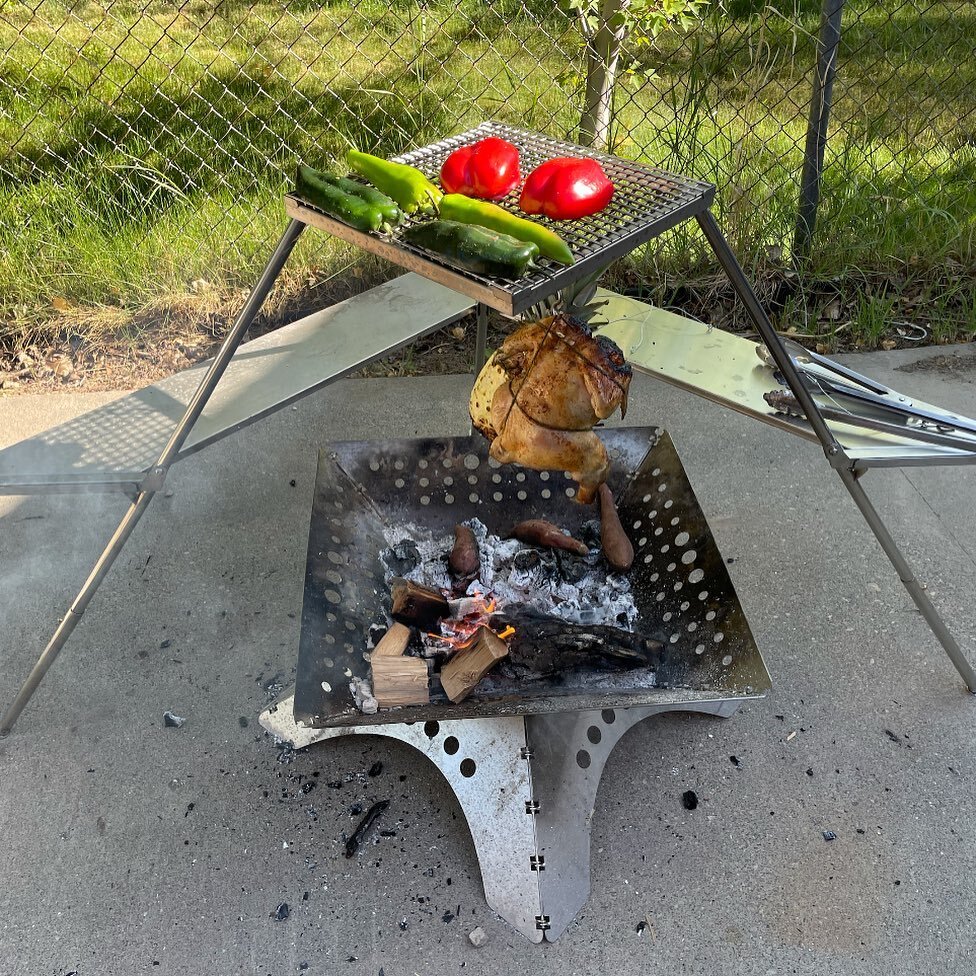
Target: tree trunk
{"points": [[602, 61]]}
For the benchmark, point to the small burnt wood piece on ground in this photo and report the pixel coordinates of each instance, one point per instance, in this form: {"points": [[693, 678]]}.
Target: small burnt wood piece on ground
{"points": [[359, 834]]}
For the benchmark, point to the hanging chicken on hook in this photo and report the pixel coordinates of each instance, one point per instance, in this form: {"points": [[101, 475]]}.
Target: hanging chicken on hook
{"points": [[543, 391]]}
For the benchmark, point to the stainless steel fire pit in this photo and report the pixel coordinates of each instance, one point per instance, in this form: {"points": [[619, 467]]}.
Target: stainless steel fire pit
{"points": [[688, 613]]}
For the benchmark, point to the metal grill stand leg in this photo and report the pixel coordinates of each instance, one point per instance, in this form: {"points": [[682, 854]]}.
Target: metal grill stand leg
{"points": [[527, 787], [740, 284], [835, 454], [481, 338], [154, 479], [905, 574]]}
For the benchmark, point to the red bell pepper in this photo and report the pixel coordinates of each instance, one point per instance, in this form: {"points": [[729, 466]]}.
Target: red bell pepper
{"points": [[487, 169], [566, 189]]}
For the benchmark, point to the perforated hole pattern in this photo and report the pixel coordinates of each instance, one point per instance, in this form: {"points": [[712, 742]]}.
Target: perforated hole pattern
{"points": [[681, 587]]}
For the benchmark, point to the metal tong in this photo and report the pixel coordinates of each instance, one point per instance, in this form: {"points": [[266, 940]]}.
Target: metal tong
{"points": [[860, 401]]}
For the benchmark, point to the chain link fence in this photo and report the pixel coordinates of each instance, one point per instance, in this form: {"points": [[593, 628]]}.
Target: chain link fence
{"points": [[145, 145]]}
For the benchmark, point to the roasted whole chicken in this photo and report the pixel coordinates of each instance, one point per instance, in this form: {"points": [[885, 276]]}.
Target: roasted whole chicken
{"points": [[541, 394]]}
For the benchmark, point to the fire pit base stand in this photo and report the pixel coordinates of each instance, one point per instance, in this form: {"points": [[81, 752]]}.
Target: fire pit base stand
{"points": [[527, 786]]}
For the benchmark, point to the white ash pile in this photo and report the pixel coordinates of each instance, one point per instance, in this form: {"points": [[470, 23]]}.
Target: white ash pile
{"points": [[577, 589]]}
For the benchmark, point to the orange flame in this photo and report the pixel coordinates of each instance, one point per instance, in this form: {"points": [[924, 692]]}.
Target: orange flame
{"points": [[457, 633]]}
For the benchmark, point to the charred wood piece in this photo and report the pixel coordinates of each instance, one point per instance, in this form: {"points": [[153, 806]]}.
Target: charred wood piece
{"points": [[402, 558], [417, 605], [545, 646], [359, 834], [464, 605]]}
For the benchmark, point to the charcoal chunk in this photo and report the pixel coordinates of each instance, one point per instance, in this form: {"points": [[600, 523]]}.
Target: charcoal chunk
{"points": [[403, 557]]}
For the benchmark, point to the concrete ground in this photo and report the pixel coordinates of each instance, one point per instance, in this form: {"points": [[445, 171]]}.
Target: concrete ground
{"points": [[132, 848]]}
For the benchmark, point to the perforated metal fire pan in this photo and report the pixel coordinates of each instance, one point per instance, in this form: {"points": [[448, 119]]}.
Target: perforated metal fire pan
{"points": [[647, 201], [682, 590]]}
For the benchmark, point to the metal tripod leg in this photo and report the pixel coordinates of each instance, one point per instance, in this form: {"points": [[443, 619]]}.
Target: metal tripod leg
{"points": [[487, 764], [905, 574], [835, 453], [481, 338], [740, 284], [157, 473]]}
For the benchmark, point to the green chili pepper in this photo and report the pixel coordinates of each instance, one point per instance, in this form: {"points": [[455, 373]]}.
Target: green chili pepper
{"points": [[321, 190], [387, 207], [476, 249], [407, 185], [390, 211], [455, 206]]}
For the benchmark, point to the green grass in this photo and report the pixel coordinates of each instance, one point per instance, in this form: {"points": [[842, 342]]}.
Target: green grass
{"points": [[146, 145]]}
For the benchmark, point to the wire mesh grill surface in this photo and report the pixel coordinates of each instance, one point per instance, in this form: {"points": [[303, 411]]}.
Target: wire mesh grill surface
{"points": [[646, 202], [680, 584]]}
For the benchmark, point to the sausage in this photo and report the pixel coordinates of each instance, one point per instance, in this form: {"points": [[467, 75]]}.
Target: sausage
{"points": [[539, 532], [465, 559], [616, 546]]}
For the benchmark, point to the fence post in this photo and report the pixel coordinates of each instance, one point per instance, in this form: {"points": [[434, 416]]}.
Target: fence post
{"points": [[820, 100]]}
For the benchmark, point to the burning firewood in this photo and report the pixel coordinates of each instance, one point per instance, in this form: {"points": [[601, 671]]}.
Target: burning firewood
{"points": [[471, 663], [539, 532], [417, 605], [616, 546], [398, 679], [465, 605]]}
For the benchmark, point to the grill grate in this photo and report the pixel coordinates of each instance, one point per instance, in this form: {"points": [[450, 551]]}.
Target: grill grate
{"points": [[646, 202]]}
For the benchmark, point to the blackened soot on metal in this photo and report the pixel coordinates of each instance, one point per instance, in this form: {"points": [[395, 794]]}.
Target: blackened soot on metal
{"points": [[354, 842]]}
